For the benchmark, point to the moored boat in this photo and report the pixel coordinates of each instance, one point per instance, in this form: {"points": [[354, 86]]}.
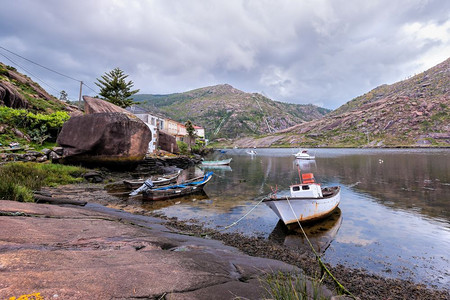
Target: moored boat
{"points": [[223, 162], [303, 154], [188, 187], [307, 201], [156, 181]]}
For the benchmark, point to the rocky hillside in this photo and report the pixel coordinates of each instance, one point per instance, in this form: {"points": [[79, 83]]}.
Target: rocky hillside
{"points": [[414, 112], [29, 116], [20, 92], [226, 112]]}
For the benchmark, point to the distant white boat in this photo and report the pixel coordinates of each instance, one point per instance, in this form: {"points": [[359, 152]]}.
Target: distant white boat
{"points": [[303, 154], [251, 152], [216, 162], [307, 201]]}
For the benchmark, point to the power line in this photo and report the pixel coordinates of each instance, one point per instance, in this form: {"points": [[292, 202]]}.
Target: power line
{"points": [[59, 73], [40, 65], [29, 72]]}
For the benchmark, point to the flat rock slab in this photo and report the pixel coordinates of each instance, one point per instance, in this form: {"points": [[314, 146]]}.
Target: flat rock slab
{"points": [[93, 253]]}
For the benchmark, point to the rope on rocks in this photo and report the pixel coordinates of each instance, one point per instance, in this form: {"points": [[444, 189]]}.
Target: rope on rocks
{"points": [[319, 259]]}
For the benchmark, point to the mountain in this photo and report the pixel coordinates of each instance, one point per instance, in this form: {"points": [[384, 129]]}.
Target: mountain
{"points": [[412, 113], [226, 112]]}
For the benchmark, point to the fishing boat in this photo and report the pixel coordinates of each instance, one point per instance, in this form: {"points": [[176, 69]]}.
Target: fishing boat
{"points": [[251, 152], [307, 201], [303, 154], [188, 187], [223, 162], [156, 181]]}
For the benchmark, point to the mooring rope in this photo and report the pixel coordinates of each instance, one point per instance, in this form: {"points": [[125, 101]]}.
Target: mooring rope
{"points": [[235, 222], [321, 263]]}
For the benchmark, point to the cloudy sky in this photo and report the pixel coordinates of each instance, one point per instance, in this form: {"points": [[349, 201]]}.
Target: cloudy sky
{"points": [[324, 52]]}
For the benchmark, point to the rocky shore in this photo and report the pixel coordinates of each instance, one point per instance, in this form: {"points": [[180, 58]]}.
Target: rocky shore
{"points": [[113, 249]]}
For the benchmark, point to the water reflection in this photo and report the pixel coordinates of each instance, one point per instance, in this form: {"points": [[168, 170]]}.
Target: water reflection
{"points": [[320, 234], [198, 198], [396, 206], [217, 168]]}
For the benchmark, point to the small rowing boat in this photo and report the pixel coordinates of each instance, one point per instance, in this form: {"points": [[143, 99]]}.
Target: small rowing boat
{"points": [[307, 201], [188, 187], [223, 162], [156, 181]]}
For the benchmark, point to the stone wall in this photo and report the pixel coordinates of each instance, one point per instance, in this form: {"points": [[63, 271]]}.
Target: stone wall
{"points": [[38, 156]]}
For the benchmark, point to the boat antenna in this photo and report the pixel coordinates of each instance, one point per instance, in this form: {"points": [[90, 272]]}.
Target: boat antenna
{"points": [[299, 173]]}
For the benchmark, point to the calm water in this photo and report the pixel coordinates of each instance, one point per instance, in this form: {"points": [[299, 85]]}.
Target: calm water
{"points": [[394, 216]]}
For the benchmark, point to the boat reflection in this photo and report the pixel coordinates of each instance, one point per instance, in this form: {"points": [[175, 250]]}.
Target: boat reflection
{"points": [[321, 234], [155, 205], [305, 164], [222, 168]]}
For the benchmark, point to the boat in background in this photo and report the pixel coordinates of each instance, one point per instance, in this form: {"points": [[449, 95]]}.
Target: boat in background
{"points": [[307, 201], [187, 187], [223, 162], [303, 154], [251, 152]]}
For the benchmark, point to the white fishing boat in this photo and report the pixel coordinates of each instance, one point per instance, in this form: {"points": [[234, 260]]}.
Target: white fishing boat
{"points": [[303, 154], [251, 152], [307, 201]]}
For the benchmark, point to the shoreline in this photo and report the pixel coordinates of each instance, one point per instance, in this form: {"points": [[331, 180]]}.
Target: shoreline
{"points": [[360, 282]]}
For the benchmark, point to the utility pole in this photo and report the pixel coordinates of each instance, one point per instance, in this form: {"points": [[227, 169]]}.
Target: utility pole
{"points": [[79, 97]]}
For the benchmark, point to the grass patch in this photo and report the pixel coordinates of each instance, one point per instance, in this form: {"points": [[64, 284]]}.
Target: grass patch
{"points": [[18, 180], [281, 286]]}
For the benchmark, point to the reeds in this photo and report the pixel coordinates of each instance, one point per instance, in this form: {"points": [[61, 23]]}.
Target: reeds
{"points": [[281, 286]]}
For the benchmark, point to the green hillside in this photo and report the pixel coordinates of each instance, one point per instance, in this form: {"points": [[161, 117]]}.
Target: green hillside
{"points": [[226, 112]]}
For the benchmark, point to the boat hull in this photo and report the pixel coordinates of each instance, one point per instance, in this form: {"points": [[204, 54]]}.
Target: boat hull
{"points": [[182, 189], [216, 162], [305, 209], [160, 181]]}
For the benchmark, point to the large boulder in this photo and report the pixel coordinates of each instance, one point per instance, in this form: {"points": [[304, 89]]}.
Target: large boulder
{"points": [[95, 106], [10, 97], [111, 139], [167, 142]]}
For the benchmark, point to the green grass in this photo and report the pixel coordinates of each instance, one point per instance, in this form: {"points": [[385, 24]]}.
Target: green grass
{"points": [[18, 180], [281, 286]]}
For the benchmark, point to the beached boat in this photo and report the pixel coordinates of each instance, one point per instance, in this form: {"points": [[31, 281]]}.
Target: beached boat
{"points": [[303, 154], [223, 162], [188, 187], [307, 201], [156, 181]]}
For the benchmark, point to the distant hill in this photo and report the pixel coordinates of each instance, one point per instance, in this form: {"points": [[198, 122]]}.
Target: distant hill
{"points": [[226, 112], [413, 112]]}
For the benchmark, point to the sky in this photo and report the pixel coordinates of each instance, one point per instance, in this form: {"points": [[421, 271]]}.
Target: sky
{"points": [[323, 52]]}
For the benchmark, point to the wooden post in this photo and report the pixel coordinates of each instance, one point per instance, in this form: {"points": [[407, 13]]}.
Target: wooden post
{"points": [[79, 97]]}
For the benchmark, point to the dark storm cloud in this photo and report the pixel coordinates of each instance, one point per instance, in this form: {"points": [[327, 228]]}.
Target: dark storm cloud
{"points": [[321, 52]]}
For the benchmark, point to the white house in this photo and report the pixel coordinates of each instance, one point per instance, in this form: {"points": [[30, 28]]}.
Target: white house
{"points": [[153, 122]]}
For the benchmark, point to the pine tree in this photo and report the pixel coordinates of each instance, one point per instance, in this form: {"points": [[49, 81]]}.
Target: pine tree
{"points": [[190, 131], [115, 89]]}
